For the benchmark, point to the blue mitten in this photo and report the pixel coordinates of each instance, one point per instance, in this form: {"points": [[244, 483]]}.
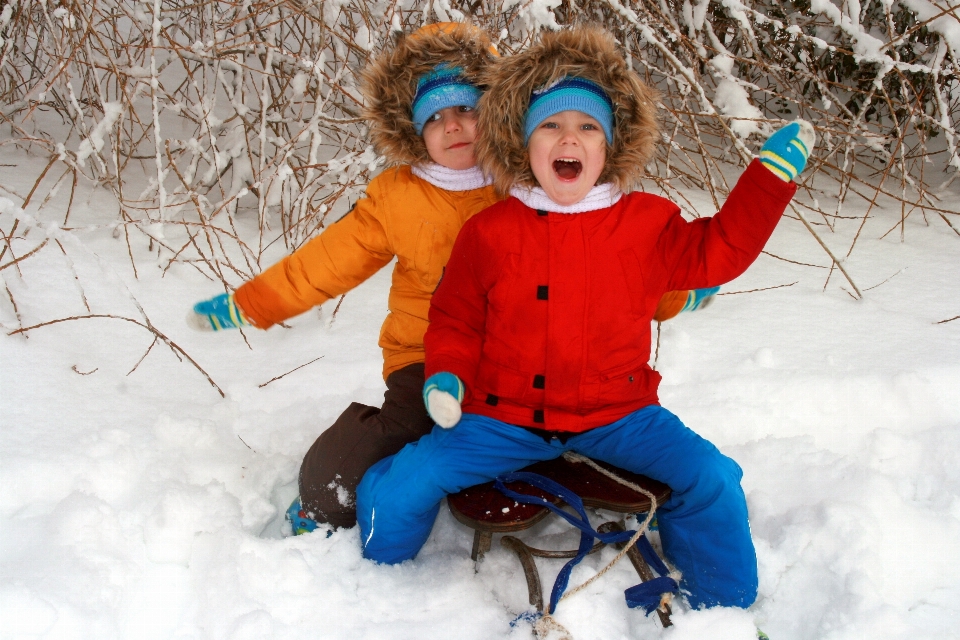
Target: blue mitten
{"points": [[699, 298], [216, 314], [786, 151], [443, 393]]}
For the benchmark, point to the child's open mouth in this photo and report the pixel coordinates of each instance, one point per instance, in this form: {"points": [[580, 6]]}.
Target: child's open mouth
{"points": [[567, 168]]}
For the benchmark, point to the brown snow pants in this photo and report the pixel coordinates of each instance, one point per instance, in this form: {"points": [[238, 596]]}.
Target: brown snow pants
{"points": [[360, 437]]}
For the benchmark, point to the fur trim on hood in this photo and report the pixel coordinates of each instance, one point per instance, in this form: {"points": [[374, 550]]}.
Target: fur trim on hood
{"points": [[389, 83], [585, 52]]}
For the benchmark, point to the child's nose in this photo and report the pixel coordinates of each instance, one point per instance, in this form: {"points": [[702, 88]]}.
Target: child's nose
{"points": [[569, 136], [453, 124]]}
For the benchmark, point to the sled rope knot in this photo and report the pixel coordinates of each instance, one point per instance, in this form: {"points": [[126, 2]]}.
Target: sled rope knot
{"points": [[548, 624]]}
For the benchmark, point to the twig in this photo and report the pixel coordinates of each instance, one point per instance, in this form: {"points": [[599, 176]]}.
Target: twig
{"points": [[887, 280], [26, 202], [948, 320], [246, 445], [85, 373], [13, 302], [802, 264], [25, 256], [779, 286], [288, 372], [144, 356], [333, 316], [827, 249], [656, 353]]}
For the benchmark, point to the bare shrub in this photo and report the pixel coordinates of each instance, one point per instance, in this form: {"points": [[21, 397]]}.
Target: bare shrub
{"points": [[223, 127]]}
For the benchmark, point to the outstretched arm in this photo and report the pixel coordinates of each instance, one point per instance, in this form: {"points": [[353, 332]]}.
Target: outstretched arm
{"points": [[344, 255]]}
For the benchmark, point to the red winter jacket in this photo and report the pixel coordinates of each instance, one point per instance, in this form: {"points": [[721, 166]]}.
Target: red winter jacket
{"points": [[545, 317]]}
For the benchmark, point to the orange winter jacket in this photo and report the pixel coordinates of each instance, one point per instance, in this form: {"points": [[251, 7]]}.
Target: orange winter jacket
{"points": [[401, 216]]}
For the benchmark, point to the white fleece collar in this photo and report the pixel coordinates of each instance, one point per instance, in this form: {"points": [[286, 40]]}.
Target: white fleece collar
{"points": [[599, 197], [451, 179]]}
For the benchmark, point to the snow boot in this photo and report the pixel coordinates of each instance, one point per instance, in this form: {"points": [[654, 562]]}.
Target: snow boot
{"points": [[300, 522]]}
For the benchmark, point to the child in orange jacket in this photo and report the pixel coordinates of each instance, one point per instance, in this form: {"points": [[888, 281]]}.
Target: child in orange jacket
{"points": [[420, 98]]}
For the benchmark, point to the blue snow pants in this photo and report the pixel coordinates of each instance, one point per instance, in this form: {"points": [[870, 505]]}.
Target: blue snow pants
{"points": [[703, 526]]}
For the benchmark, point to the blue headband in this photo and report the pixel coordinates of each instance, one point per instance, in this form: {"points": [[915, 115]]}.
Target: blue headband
{"points": [[443, 87], [570, 94]]}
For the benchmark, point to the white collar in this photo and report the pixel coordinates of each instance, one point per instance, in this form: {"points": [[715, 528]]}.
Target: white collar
{"points": [[451, 179], [599, 197]]}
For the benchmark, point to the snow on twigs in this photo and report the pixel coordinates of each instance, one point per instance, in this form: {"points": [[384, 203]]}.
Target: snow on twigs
{"points": [[220, 97]]}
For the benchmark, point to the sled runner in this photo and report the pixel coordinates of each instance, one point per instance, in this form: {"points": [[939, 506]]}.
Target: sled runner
{"points": [[488, 510]]}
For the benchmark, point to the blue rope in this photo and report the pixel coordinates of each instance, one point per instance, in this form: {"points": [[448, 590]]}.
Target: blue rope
{"points": [[646, 595]]}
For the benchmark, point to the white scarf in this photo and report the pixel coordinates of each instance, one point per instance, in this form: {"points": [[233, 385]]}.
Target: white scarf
{"points": [[451, 179], [599, 197]]}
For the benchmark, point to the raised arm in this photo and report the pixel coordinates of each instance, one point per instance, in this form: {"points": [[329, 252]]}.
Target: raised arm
{"points": [[712, 251]]}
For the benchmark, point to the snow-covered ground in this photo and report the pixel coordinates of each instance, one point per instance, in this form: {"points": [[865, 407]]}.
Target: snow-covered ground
{"points": [[136, 502]]}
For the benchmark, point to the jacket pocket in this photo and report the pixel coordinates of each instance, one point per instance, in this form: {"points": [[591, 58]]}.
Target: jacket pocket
{"points": [[624, 383]]}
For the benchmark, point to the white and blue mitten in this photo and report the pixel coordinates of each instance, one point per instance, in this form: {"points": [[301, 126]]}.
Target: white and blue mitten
{"points": [[216, 314], [443, 393], [786, 151]]}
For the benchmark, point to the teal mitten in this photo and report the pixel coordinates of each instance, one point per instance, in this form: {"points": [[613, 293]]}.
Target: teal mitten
{"points": [[216, 314], [699, 298], [786, 151], [443, 393]]}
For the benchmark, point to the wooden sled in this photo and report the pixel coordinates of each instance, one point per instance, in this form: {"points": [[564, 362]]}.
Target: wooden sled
{"points": [[487, 511]]}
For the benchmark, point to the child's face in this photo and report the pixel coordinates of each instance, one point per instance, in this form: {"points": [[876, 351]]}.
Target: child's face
{"points": [[450, 135], [567, 154]]}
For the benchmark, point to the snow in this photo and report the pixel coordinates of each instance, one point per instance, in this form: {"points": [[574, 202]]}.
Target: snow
{"points": [[733, 100], [946, 25], [139, 503], [865, 46], [94, 142]]}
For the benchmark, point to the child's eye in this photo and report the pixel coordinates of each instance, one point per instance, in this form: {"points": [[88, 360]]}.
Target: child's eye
{"points": [[465, 109], [588, 127], [549, 125], [435, 117]]}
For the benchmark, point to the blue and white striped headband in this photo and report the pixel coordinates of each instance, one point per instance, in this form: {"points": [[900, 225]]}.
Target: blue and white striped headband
{"points": [[570, 94], [443, 87]]}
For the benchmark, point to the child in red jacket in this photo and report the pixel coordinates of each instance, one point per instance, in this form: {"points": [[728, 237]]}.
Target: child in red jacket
{"points": [[540, 329]]}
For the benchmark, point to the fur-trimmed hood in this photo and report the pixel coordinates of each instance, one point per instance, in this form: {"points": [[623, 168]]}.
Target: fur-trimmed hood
{"points": [[389, 82], [585, 52]]}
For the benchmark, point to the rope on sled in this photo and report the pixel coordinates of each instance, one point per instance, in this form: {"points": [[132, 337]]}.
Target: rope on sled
{"points": [[547, 624], [641, 530]]}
